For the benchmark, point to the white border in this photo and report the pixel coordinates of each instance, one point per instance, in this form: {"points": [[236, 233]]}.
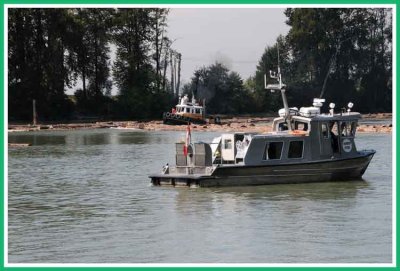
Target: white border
{"points": [[394, 131], [200, 265], [236, 6], [5, 135]]}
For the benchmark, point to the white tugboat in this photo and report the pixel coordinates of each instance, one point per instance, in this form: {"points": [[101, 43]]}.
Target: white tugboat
{"points": [[186, 112], [304, 146]]}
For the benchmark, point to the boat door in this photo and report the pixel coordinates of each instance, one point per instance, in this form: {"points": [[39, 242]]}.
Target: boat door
{"points": [[325, 140], [329, 138]]}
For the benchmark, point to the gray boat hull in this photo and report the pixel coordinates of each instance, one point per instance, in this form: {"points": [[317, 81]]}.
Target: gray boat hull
{"points": [[241, 175]]}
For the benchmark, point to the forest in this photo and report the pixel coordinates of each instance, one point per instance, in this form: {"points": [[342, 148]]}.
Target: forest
{"points": [[341, 54]]}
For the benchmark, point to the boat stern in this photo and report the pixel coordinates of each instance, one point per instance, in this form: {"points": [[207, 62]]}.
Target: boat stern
{"points": [[182, 176]]}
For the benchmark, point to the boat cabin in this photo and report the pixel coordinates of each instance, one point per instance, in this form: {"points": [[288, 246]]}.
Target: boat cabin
{"points": [[189, 109], [309, 139]]}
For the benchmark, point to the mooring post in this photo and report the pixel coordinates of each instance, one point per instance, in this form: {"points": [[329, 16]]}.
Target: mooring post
{"points": [[34, 112]]}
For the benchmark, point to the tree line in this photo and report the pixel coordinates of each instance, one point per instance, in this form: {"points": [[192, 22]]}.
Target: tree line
{"points": [[339, 54], [52, 50]]}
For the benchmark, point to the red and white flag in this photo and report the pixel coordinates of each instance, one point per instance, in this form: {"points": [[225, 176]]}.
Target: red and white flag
{"points": [[187, 141]]}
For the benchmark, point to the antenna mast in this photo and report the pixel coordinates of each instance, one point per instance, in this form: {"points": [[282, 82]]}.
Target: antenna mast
{"points": [[281, 87], [279, 66]]}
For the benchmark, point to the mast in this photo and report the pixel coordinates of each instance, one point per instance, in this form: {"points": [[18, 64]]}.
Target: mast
{"points": [[281, 87]]}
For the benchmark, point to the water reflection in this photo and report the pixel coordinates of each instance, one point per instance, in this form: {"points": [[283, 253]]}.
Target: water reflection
{"points": [[37, 139], [202, 199], [83, 137], [310, 191]]}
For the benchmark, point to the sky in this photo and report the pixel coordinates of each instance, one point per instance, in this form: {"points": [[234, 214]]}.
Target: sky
{"points": [[236, 37]]}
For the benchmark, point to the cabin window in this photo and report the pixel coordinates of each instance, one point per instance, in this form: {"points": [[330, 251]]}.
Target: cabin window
{"points": [[348, 129], [228, 144], [333, 128], [197, 110], [334, 133], [302, 126], [187, 110], [344, 128], [324, 130], [295, 149], [353, 128], [283, 126], [273, 151]]}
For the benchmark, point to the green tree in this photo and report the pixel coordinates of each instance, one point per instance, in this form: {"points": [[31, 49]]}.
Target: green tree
{"points": [[132, 69], [92, 29], [158, 17], [39, 61], [321, 44], [342, 54], [374, 71], [140, 43], [223, 90]]}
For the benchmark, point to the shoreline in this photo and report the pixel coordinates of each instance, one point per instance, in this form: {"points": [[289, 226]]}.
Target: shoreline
{"points": [[236, 124]]}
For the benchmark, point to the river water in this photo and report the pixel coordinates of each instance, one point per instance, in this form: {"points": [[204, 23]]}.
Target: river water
{"points": [[84, 197]]}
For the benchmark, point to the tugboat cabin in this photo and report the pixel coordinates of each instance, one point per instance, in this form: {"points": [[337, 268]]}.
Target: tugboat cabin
{"points": [[190, 110]]}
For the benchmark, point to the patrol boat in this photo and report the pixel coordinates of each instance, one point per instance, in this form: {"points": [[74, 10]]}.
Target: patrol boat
{"points": [[304, 146]]}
